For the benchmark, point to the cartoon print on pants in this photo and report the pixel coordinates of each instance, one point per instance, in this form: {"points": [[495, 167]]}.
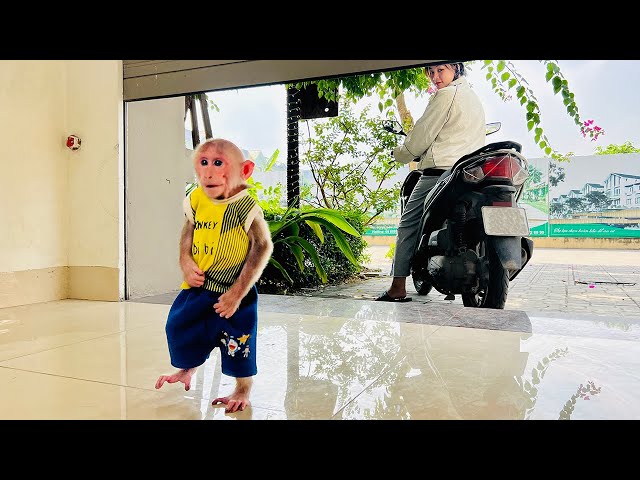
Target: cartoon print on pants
{"points": [[233, 345]]}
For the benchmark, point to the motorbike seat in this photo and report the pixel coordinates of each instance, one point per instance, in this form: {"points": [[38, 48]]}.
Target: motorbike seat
{"points": [[491, 147]]}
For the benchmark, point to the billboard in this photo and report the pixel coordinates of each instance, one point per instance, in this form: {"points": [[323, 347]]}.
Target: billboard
{"points": [[596, 196]]}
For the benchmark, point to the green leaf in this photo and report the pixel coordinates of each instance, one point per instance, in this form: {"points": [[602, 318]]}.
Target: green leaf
{"points": [[523, 100], [340, 240], [293, 229], [504, 76], [289, 221], [512, 82], [317, 229], [332, 216], [501, 65], [549, 75], [297, 252], [520, 91], [538, 131], [529, 125], [272, 160], [314, 257], [284, 273], [275, 225], [488, 76], [547, 150]]}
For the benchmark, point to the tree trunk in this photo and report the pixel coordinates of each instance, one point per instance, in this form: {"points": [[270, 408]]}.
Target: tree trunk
{"points": [[405, 115], [208, 132], [406, 119], [195, 133]]}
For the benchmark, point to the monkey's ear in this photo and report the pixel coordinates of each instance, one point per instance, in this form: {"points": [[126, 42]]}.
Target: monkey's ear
{"points": [[247, 169]]}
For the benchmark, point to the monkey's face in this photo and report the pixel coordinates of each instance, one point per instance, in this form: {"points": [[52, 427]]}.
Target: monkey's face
{"points": [[222, 171]]}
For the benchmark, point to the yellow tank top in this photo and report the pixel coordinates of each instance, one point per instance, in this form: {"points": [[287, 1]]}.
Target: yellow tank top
{"points": [[220, 240]]}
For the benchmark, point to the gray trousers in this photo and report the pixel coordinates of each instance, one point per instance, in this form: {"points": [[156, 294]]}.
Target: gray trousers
{"points": [[409, 227]]}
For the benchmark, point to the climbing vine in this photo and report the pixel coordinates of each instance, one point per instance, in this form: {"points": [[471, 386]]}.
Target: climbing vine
{"points": [[504, 79]]}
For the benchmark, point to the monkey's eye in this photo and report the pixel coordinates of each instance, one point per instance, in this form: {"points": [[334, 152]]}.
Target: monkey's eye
{"points": [[204, 162], [217, 163]]}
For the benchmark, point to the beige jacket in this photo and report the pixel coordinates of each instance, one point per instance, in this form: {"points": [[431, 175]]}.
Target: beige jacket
{"points": [[452, 125]]}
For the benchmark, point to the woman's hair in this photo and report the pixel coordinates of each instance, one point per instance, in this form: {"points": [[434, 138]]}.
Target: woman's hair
{"points": [[458, 68]]}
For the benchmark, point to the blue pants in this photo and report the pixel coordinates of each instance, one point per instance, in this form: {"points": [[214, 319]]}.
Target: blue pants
{"points": [[194, 329]]}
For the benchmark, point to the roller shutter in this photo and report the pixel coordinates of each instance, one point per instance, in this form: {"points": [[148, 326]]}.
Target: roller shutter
{"points": [[146, 79]]}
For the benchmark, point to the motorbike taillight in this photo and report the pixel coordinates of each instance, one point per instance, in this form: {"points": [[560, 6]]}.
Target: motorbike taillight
{"points": [[501, 167]]}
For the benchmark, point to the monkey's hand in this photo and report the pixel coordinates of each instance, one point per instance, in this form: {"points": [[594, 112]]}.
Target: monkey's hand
{"points": [[191, 273], [228, 303]]}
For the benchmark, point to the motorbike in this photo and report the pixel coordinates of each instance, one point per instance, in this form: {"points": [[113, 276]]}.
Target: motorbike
{"points": [[473, 234]]}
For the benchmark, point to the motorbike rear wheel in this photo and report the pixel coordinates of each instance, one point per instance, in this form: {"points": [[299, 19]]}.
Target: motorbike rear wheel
{"points": [[422, 286], [493, 294]]}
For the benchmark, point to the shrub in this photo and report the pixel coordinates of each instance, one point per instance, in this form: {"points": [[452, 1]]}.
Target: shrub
{"points": [[336, 265]]}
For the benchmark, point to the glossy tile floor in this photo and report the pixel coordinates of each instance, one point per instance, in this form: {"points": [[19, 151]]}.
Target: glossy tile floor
{"points": [[322, 358]]}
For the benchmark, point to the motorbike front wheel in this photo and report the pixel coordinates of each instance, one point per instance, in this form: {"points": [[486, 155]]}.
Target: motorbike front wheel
{"points": [[491, 293]]}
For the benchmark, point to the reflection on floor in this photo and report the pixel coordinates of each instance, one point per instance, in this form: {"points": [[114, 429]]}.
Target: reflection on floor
{"points": [[323, 359]]}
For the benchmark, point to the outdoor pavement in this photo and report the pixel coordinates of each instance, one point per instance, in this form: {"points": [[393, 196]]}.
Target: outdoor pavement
{"points": [[603, 283]]}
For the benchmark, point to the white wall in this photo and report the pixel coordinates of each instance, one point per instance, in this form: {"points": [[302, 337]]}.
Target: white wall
{"points": [[59, 218], [94, 114], [34, 165], [156, 173]]}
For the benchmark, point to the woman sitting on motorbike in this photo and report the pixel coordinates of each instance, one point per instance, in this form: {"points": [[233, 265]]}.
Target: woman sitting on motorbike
{"points": [[452, 125]]}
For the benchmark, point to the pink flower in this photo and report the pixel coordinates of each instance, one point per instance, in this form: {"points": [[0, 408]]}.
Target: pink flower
{"points": [[593, 131]]}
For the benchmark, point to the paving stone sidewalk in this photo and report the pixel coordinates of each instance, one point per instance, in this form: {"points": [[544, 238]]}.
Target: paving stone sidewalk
{"points": [[607, 289]]}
